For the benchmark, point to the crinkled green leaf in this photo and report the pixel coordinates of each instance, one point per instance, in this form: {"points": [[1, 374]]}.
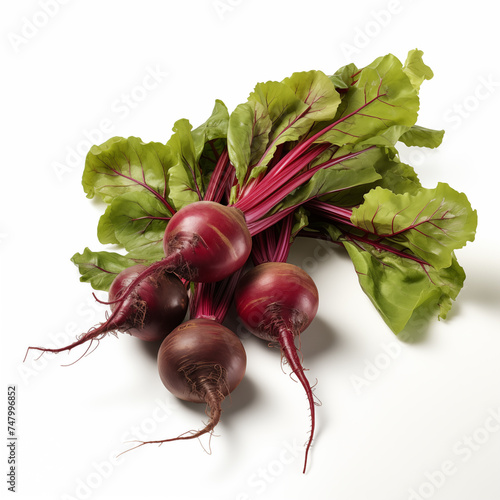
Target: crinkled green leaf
{"points": [[382, 101], [247, 137], [135, 219], [215, 127], [123, 165], [185, 180], [396, 176], [401, 288], [344, 76], [100, 268], [283, 108], [106, 227], [293, 106], [422, 137], [432, 223], [317, 92], [386, 171], [416, 69], [195, 154]]}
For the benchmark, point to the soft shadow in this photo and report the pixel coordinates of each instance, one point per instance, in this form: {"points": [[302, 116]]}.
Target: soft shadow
{"points": [[242, 397], [315, 340], [98, 203], [150, 348], [319, 338], [481, 287]]}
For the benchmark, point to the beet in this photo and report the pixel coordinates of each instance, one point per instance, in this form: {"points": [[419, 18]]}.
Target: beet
{"points": [[206, 241], [277, 301], [201, 361], [150, 310]]}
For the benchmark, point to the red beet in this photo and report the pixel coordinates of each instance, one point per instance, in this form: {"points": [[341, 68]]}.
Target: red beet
{"points": [[206, 242], [277, 301]]}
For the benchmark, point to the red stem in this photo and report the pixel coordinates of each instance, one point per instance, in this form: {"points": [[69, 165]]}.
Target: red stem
{"points": [[218, 179], [260, 207], [212, 300], [271, 182], [273, 244]]}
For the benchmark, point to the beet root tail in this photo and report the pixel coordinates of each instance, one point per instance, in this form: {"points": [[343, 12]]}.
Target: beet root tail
{"points": [[116, 319], [214, 404], [286, 341], [95, 333]]}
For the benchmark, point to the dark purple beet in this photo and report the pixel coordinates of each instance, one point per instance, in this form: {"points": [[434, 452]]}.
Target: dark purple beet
{"points": [[201, 361], [150, 310], [155, 307]]}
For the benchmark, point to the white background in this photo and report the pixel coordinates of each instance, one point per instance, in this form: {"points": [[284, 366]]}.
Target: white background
{"points": [[389, 423]]}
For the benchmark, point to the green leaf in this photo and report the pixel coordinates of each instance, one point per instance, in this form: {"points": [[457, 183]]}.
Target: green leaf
{"points": [[215, 127], [343, 77], [293, 106], [401, 288], [135, 220], [300, 221], [122, 165], [247, 137], [415, 68], [106, 228], [382, 101], [283, 108], [187, 182], [422, 137], [100, 268], [432, 223], [195, 153], [396, 176], [317, 91], [376, 167]]}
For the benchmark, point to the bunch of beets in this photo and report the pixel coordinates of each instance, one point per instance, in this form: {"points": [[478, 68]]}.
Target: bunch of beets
{"points": [[208, 219]]}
